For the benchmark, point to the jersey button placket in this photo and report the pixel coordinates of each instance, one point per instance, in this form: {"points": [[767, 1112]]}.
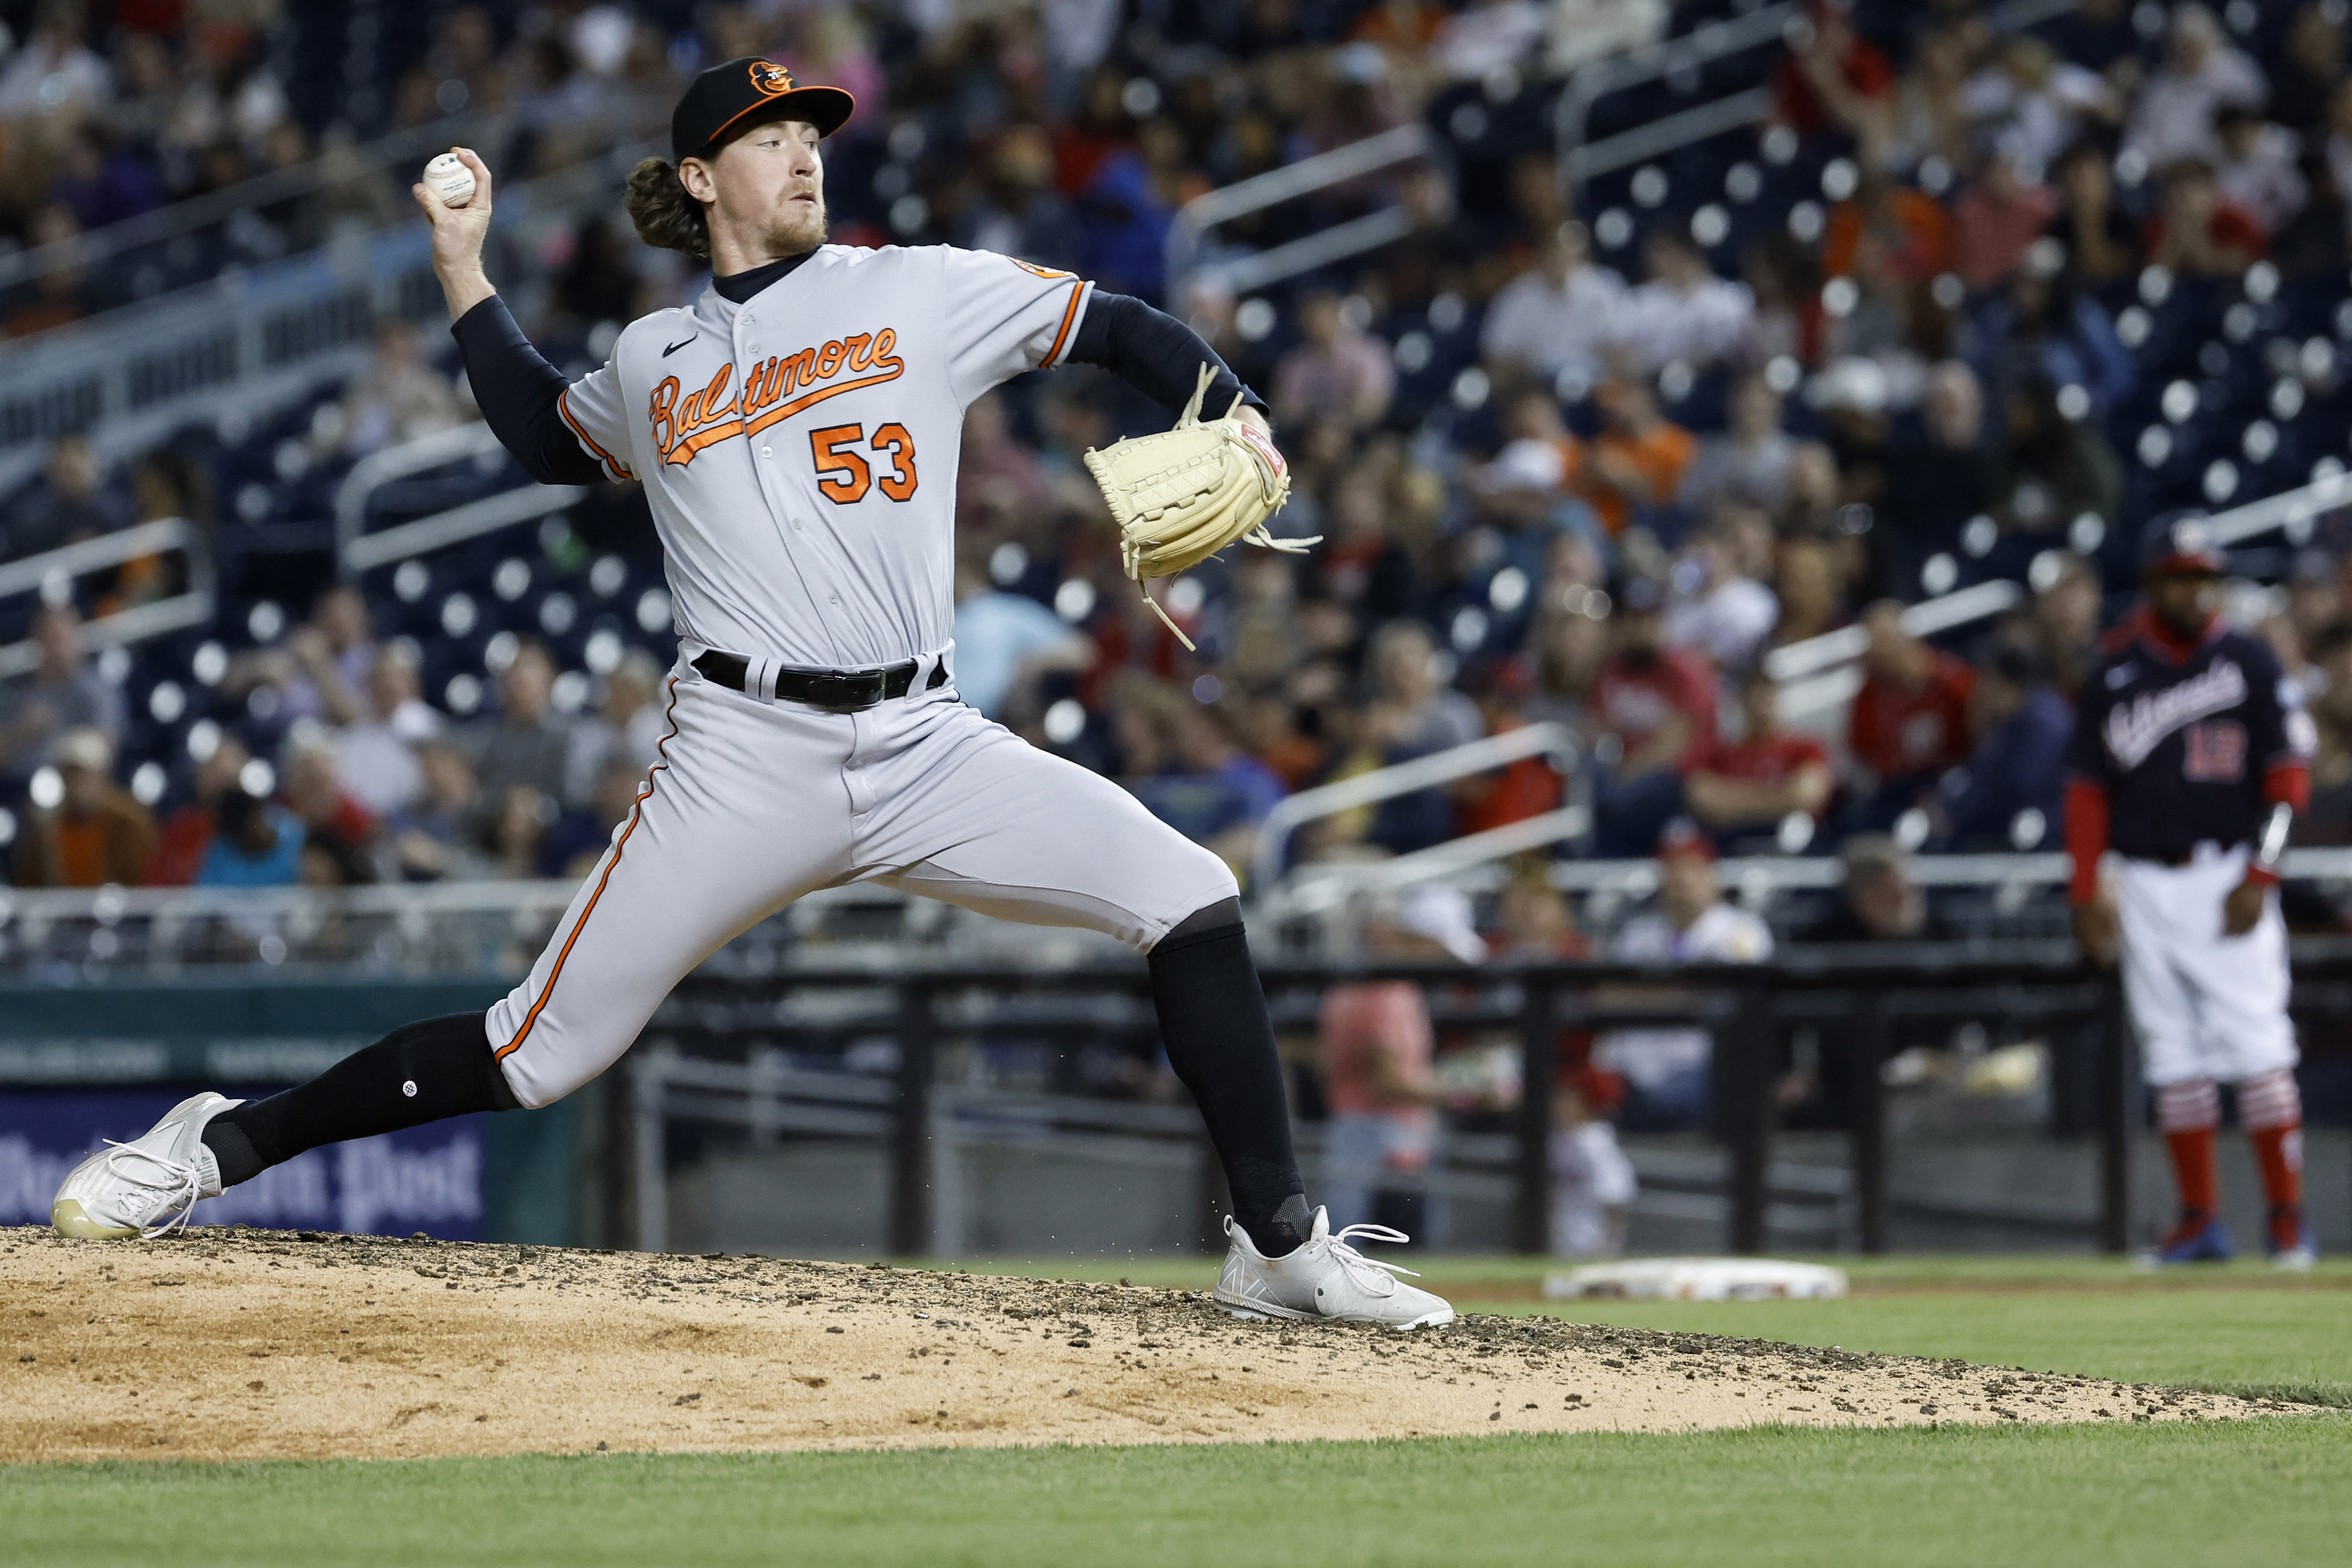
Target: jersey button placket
{"points": [[768, 480]]}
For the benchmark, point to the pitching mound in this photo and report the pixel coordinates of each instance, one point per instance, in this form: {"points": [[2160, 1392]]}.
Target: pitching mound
{"points": [[272, 1344]]}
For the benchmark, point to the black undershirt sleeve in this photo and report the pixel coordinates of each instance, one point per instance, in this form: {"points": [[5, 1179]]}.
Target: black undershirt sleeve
{"points": [[516, 388], [1155, 354]]}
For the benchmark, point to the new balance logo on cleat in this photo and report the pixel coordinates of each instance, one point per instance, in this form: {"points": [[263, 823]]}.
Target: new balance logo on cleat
{"points": [[1325, 1278]]}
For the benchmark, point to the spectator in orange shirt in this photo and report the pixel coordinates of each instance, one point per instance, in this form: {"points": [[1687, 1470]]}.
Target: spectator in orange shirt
{"points": [[1913, 230], [96, 834], [1524, 789], [1639, 458], [1909, 724]]}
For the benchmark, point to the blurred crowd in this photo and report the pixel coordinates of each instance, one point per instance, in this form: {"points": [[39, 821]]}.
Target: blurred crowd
{"points": [[110, 113], [368, 783], [1567, 465]]}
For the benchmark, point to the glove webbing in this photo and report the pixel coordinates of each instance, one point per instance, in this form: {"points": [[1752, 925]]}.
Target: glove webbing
{"points": [[1132, 558]]}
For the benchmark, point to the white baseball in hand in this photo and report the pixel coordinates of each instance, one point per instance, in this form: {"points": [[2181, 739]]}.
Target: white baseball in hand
{"points": [[449, 178]]}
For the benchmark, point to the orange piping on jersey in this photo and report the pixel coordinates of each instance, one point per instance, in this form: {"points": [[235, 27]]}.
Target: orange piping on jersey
{"points": [[1069, 317], [564, 409], [636, 815]]}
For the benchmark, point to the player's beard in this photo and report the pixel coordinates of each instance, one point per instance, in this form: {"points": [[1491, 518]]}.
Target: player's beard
{"points": [[799, 229]]}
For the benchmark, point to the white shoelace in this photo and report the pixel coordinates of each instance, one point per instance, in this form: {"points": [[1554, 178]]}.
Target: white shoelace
{"points": [[175, 1197], [1358, 1267]]}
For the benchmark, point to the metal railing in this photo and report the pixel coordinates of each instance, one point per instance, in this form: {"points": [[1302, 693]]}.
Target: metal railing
{"points": [[1752, 875], [1241, 274], [389, 464], [1819, 674], [454, 927], [1659, 137], [46, 573], [331, 169], [458, 524], [1484, 756], [1474, 863], [1572, 115], [251, 341], [357, 551], [703, 1060], [1581, 161]]}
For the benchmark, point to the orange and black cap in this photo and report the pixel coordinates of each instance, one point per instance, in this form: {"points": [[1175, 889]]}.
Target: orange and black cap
{"points": [[742, 93]]}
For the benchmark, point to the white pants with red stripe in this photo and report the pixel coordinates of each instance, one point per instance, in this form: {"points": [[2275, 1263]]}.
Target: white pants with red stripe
{"points": [[2204, 1005], [755, 803]]}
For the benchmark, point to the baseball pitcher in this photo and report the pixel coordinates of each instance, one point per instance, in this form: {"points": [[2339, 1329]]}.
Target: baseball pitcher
{"points": [[795, 429], [2190, 758]]}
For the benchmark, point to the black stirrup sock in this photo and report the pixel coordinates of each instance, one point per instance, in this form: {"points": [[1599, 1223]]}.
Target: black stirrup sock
{"points": [[1214, 1021], [419, 1072]]}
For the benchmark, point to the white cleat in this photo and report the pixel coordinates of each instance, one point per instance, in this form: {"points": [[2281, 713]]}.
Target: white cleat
{"points": [[1325, 1278], [2296, 1259], [147, 1187]]}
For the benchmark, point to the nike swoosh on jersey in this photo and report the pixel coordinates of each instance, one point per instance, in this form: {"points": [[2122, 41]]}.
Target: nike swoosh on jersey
{"points": [[674, 348]]}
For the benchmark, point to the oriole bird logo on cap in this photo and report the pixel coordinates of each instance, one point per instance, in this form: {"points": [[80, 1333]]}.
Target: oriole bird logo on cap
{"points": [[770, 78]]}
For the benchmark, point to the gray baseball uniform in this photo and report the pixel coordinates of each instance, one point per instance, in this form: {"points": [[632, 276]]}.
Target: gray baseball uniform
{"points": [[799, 451]]}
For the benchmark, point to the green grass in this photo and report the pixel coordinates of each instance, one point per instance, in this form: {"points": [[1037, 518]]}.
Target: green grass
{"points": [[2239, 1328], [2247, 1493], [2289, 1345], [2270, 1492]]}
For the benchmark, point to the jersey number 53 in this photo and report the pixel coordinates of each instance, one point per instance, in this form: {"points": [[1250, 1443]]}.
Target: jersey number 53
{"points": [[844, 474]]}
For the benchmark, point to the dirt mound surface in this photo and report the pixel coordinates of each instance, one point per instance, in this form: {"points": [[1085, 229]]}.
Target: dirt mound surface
{"points": [[277, 1344]]}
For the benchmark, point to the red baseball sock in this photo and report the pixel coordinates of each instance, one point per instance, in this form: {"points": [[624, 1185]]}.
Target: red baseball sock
{"points": [[2280, 1152], [2187, 1113], [2271, 1109], [2193, 1172]]}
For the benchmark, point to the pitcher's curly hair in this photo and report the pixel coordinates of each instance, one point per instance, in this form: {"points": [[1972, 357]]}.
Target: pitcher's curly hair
{"points": [[666, 216]]}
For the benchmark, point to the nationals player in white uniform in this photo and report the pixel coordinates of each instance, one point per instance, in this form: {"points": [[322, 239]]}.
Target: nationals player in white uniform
{"points": [[796, 431]]}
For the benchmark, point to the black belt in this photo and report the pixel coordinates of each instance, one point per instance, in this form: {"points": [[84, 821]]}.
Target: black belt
{"points": [[836, 691]]}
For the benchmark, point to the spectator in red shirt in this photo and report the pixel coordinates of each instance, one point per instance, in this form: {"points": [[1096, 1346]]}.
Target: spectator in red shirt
{"points": [[188, 830], [1656, 703], [2195, 232], [1910, 720], [1996, 219], [334, 820], [1834, 77], [1750, 785]]}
